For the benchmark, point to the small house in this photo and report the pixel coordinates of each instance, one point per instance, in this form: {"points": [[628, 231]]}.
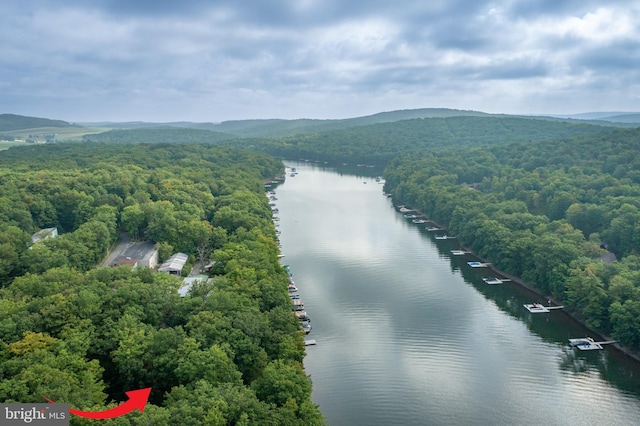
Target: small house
{"points": [[44, 234]]}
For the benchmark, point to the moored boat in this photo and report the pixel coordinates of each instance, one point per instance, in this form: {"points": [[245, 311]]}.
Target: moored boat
{"points": [[588, 344], [478, 264], [585, 344], [539, 308], [536, 308], [305, 326], [302, 316]]}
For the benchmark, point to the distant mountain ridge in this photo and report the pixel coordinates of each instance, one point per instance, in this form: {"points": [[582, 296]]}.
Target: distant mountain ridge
{"points": [[625, 118], [289, 127], [613, 116], [12, 122]]}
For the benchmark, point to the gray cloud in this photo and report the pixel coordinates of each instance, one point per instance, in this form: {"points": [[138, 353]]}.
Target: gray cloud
{"points": [[215, 60]]}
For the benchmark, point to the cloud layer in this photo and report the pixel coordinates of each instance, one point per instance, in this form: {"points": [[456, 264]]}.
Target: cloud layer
{"points": [[199, 60]]}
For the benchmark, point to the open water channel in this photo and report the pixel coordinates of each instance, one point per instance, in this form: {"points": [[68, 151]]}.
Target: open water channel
{"points": [[409, 334]]}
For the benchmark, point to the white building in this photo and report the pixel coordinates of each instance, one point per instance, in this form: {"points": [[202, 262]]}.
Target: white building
{"points": [[174, 264], [44, 234]]}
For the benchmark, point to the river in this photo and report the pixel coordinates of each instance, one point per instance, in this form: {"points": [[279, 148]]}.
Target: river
{"points": [[408, 334]]}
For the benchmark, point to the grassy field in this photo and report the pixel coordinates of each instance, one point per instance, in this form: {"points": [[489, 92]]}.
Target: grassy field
{"points": [[6, 144], [62, 133]]}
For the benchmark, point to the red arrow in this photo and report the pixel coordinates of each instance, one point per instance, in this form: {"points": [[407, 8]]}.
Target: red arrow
{"points": [[137, 399]]}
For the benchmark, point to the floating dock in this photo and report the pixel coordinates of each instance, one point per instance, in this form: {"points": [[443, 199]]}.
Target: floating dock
{"points": [[588, 344], [310, 342], [443, 237], [493, 280], [539, 308], [459, 252]]}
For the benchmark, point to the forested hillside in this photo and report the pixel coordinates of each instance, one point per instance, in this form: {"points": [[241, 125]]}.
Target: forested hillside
{"points": [[10, 122], [377, 143], [229, 352], [281, 127], [160, 135], [545, 212]]}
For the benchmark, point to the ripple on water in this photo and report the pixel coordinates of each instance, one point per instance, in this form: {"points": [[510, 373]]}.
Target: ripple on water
{"points": [[405, 336]]}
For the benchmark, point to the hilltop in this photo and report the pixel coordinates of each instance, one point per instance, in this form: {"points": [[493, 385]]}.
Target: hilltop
{"points": [[277, 127], [13, 122]]}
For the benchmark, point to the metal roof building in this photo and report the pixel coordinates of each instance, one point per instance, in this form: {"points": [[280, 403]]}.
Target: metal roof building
{"points": [[174, 264], [144, 252]]}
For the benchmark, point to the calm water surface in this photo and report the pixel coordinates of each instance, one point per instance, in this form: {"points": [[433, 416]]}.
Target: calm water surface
{"points": [[410, 335]]}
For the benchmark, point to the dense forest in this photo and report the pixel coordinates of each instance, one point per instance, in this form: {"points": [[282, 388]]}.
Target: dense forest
{"points": [[550, 201], [160, 135], [229, 352], [551, 213], [376, 143]]}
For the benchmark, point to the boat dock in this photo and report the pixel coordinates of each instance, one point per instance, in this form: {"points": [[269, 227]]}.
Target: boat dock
{"points": [[310, 342], [539, 308], [297, 306], [588, 344], [493, 280], [459, 252], [443, 237], [478, 264]]}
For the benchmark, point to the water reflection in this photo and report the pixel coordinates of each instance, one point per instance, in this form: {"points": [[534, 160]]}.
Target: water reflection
{"points": [[555, 327], [409, 334]]}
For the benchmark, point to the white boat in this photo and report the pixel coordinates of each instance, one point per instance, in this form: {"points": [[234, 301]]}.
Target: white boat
{"points": [[493, 280], [302, 316], [419, 221], [477, 264], [432, 228], [297, 305], [305, 326], [588, 344], [458, 252], [539, 308], [443, 237], [536, 308], [585, 344]]}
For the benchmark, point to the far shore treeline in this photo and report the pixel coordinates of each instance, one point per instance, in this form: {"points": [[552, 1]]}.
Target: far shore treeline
{"points": [[563, 215], [553, 202]]}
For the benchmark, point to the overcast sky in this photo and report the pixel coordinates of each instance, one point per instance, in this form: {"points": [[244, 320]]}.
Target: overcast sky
{"points": [[215, 60]]}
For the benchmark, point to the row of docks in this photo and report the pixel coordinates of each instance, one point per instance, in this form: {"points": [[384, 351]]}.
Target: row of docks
{"points": [[296, 301], [583, 343]]}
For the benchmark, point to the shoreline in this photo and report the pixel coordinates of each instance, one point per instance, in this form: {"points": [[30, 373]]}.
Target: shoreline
{"points": [[633, 355]]}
